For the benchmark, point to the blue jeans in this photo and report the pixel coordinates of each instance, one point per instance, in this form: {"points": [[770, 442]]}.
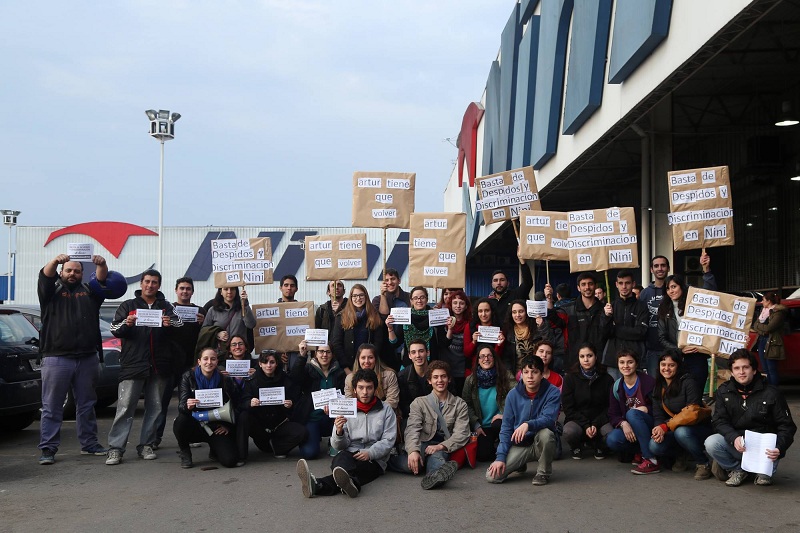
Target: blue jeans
{"points": [[650, 363], [399, 462], [59, 375], [128, 399], [316, 430], [770, 366], [689, 438], [642, 425]]}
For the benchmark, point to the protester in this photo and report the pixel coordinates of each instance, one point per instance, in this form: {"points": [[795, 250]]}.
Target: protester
{"points": [[485, 391], [225, 318], [628, 323], [637, 290], [544, 351], [455, 355], [357, 324], [187, 429], [392, 295], [387, 389], [563, 296], [401, 335], [651, 297], [585, 397], [527, 433], [288, 289], [521, 335], [502, 297], [238, 350], [630, 412], [747, 402], [315, 373], [270, 426], [483, 316], [600, 294], [444, 302], [586, 322], [365, 443], [438, 425], [147, 363], [326, 314], [70, 342], [681, 422], [769, 325], [413, 379]]}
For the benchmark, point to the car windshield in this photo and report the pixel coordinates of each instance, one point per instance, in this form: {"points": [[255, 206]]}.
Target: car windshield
{"points": [[15, 329]]}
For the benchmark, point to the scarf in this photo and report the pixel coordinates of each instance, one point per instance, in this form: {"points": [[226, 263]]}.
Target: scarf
{"points": [[460, 326], [418, 329], [486, 378], [203, 382], [589, 374], [365, 407]]}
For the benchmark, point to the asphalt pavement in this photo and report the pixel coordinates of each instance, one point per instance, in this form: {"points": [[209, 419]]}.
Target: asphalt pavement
{"points": [[80, 493]]}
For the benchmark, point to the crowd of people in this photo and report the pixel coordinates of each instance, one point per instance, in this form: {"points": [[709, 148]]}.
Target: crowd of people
{"points": [[595, 373]]}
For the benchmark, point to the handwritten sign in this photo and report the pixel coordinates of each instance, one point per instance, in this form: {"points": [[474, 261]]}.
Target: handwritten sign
{"points": [[504, 195], [701, 208], [437, 250], [438, 317], [209, 398], [80, 251], [322, 397], [345, 407], [316, 337], [237, 368], [383, 199], [148, 317], [715, 322]]}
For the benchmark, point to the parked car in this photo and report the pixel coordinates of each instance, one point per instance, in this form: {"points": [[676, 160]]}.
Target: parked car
{"points": [[108, 371], [20, 374], [789, 368]]}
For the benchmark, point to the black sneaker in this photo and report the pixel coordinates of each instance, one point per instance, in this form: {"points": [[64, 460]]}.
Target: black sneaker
{"points": [[576, 453], [345, 482], [48, 457], [440, 476], [540, 479], [599, 454], [186, 458]]}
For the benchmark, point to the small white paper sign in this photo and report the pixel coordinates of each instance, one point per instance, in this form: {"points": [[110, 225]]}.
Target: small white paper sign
{"points": [[754, 458], [438, 317], [271, 395], [316, 337], [345, 407], [537, 308], [237, 368], [490, 334], [209, 398], [322, 397], [80, 251], [402, 315], [148, 317], [186, 312]]}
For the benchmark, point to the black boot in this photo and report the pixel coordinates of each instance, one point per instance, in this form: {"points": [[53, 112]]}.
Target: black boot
{"points": [[186, 457]]}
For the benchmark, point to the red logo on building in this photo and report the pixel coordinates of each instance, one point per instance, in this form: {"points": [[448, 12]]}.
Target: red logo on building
{"points": [[112, 235]]}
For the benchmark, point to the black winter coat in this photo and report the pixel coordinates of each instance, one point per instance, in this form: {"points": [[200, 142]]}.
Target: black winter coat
{"points": [[188, 385], [268, 416], [586, 325], [307, 376], [344, 346], [411, 388], [585, 401], [628, 329]]}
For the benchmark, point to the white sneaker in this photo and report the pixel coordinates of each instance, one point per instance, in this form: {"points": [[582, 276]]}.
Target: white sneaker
{"points": [[147, 453], [114, 457]]}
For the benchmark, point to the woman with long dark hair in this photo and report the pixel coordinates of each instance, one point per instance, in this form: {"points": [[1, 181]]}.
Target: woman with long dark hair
{"points": [[357, 324], [681, 421], [483, 315], [485, 392], [521, 335], [769, 326], [457, 330]]}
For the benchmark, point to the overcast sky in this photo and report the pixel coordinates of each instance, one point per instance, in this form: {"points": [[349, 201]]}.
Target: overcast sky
{"points": [[282, 100]]}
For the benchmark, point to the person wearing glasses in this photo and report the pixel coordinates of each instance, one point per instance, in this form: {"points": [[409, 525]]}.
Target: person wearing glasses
{"points": [[315, 371], [359, 323], [435, 337], [239, 350]]}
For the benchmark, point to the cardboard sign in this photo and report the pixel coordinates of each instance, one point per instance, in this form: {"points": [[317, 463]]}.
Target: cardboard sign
{"points": [[316, 337], [281, 326], [543, 235], [209, 398], [331, 257], [149, 317], [536, 308], [437, 250], [322, 397], [504, 195], [240, 262], [490, 334], [715, 322], [345, 407], [602, 239], [701, 208], [383, 199], [80, 251], [271, 395], [438, 317], [237, 368], [187, 312]]}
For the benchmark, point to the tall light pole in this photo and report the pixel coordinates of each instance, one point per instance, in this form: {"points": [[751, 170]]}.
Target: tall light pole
{"points": [[162, 127], [10, 220]]}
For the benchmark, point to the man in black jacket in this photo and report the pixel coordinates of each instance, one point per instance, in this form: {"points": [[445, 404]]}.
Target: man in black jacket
{"points": [[147, 363], [629, 320], [747, 402], [501, 296], [70, 340], [586, 320]]}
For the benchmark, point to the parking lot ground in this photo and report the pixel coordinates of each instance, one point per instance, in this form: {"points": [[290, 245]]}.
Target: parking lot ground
{"points": [[80, 493]]}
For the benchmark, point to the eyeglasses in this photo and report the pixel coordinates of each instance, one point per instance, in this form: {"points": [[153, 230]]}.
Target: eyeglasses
{"points": [[419, 298], [269, 352], [237, 344], [359, 296], [486, 356], [324, 351]]}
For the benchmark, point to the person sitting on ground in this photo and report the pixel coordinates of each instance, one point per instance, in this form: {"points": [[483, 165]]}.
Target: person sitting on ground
{"points": [[585, 397], [365, 443], [438, 425], [485, 392], [387, 390], [270, 426], [630, 411], [681, 423], [528, 430], [187, 429], [314, 373], [747, 402]]}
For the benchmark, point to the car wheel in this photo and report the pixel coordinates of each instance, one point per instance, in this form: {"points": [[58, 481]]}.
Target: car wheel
{"points": [[17, 422]]}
